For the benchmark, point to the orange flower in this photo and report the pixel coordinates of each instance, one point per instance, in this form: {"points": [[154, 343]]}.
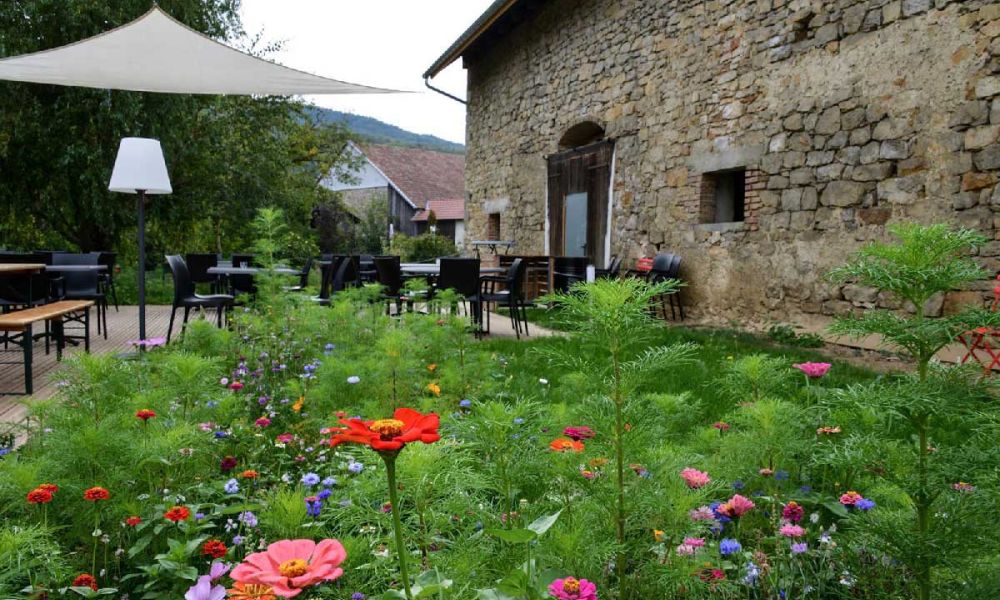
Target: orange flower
{"points": [[39, 496], [85, 580], [251, 591], [177, 514], [96, 493], [298, 404], [564, 444], [214, 548], [434, 388], [432, 367], [405, 426], [249, 474], [133, 521]]}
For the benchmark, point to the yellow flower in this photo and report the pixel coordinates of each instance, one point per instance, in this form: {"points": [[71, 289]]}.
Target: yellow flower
{"points": [[658, 535], [434, 388], [432, 367], [298, 404]]}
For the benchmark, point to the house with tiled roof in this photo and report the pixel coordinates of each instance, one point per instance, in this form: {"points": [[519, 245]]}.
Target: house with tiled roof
{"points": [[413, 182]]}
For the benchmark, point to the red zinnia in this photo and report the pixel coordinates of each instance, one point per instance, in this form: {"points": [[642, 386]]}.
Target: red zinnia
{"points": [[579, 433], [145, 414], [96, 493], [177, 514], [793, 512], [214, 548], [405, 426], [249, 474], [85, 580], [133, 521], [228, 464], [39, 496], [49, 487]]}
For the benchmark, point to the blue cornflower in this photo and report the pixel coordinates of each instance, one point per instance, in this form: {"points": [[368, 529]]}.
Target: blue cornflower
{"points": [[518, 421], [310, 479], [211, 404], [800, 547], [753, 573], [324, 494], [806, 489], [465, 403], [729, 546], [237, 540], [330, 482], [738, 485], [721, 518], [232, 486], [220, 434], [248, 518], [864, 504], [358, 596], [781, 475], [327, 349], [199, 516], [355, 467], [313, 506]]}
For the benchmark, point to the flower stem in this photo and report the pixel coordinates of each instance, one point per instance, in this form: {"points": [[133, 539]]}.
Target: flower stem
{"points": [[397, 524]]}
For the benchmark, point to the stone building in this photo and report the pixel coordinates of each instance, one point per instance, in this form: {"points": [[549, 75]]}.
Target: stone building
{"points": [[762, 140]]}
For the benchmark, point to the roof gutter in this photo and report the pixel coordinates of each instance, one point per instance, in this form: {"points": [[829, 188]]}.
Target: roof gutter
{"points": [[427, 82]]}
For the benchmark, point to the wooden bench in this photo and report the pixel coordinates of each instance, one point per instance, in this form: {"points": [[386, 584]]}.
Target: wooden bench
{"points": [[53, 314]]}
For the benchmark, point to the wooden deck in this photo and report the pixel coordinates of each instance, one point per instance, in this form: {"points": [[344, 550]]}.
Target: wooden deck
{"points": [[122, 327]]}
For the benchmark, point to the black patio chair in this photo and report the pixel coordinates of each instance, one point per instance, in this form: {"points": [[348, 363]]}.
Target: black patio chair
{"points": [[198, 265], [347, 275], [462, 276], [567, 270], [389, 275], [84, 285], [511, 297], [666, 267], [185, 296], [243, 284], [107, 278], [326, 273], [303, 278], [23, 291], [613, 271]]}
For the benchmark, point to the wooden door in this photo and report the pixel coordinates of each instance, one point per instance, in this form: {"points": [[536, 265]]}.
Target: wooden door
{"points": [[579, 181]]}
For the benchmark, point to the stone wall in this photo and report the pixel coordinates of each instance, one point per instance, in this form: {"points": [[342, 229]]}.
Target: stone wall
{"points": [[847, 115]]}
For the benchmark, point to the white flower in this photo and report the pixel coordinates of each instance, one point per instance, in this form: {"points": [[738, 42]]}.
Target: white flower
{"points": [[353, 379], [224, 381], [543, 381], [814, 518]]}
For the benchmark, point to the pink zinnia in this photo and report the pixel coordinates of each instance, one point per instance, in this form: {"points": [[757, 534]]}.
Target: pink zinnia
{"points": [[579, 433], [694, 478], [737, 506], [289, 566], [813, 370], [686, 550], [695, 542], [262, 422], [792, 531], [721, 425], [961, 486], [702, 513], [851, 498], [793, 512], [572, 588], [284, 438], [236, 386]]}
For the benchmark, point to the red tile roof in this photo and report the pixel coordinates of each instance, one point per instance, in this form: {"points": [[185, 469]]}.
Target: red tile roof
{"points": [[421, 175], [445, 210]]}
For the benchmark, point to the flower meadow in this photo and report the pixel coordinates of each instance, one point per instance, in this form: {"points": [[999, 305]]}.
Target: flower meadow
{"points": [[334, 452]]}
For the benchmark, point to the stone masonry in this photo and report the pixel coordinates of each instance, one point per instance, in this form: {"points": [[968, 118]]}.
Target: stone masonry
{"points": [[846, 114]]}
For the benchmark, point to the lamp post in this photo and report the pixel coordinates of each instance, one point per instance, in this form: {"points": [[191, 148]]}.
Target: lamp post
{"points": [[140, 169]]}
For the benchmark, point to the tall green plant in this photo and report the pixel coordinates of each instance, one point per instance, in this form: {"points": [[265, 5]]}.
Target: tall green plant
{"points": [[934, 404], [612, 330]]}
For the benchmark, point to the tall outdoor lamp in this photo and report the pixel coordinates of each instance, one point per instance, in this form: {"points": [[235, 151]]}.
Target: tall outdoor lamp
{"points": [[140, 169]]}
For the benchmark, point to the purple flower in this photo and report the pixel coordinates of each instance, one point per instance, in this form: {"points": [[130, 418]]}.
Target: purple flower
{"points": [[324, 494], [864, 504], [800, 548], [220, 434], [232, 486], [329, 482], [204, 590], [465, 403], [199, 516], [780, 475], [217, 570], [310, 479], [738, 485], [248, 518], [358, 596], [313, 506], [355, 467], [237, 540]]}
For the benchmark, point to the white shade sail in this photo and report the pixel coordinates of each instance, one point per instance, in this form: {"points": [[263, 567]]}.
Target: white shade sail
{"points": [[140, 166], [157, 53]]}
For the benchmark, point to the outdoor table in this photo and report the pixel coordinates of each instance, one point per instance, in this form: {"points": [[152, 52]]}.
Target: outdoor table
{"points": [[75, 268], [224, 270], [434, 270]]}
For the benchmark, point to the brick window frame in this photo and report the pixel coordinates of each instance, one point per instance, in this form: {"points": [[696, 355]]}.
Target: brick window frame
{"points": [[753, 181]]}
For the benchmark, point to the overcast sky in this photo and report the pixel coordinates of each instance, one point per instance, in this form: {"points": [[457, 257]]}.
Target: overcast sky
{"points": [[383, 43]]}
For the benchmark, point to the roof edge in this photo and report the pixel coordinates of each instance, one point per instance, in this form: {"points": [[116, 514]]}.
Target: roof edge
{"points": [[478, 28]]}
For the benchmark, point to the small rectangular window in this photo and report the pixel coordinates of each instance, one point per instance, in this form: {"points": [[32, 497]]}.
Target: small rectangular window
{"points": [[723, 196], [493, 227]]}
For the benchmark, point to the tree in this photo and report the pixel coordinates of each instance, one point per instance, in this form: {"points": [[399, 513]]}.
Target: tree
{"points": [[227, 156]]}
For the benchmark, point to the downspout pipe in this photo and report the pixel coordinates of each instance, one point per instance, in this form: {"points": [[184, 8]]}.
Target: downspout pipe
{"points": [[427, 82]]}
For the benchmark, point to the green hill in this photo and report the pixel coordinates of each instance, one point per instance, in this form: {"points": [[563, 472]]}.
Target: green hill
{"points": [[379, 132]]}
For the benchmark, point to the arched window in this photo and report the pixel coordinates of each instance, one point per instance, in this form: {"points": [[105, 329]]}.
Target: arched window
{"points": [[581, 134]]}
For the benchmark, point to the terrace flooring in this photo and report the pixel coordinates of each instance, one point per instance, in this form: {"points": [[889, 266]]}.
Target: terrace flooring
{"points": [[123, 326]]}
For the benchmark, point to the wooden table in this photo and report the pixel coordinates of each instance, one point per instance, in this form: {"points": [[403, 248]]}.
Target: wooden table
{"points": [[21, 268]]}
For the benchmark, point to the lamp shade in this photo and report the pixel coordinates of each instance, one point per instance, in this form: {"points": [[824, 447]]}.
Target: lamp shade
{"points": [[140, 166]]}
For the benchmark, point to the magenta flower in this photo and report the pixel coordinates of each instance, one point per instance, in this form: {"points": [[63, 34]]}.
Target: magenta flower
{"points": [[236, 386], [695, 542], [962, 486], [262, 422], [694, 478], [702, 513], [572, 588], [579, 433], [813, 370], [737, 506]]}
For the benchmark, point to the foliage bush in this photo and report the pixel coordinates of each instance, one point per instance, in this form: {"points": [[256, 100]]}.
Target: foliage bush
{"points": [[500, 507], [421, 248]]}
